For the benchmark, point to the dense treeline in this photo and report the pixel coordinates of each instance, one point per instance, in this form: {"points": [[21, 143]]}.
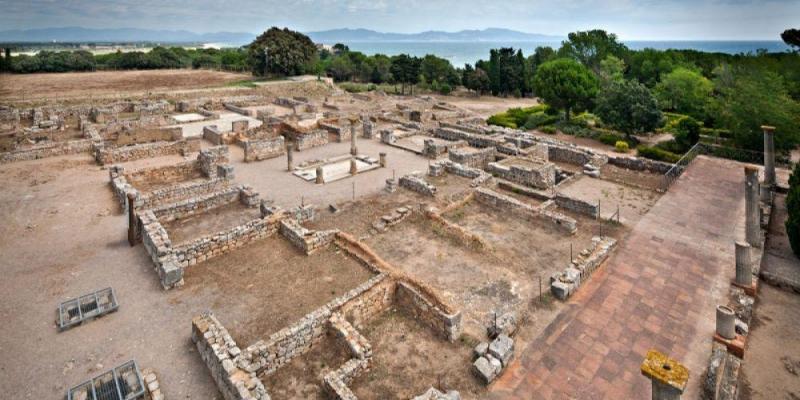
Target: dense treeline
{"points": [[156, 58]]}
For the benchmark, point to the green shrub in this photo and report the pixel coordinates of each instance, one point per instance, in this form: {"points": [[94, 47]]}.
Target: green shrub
{"points": [[584, 119], [655, 153], [445, 89], [548, 129], [502, 119], [515, 117], [622, 146], [610, 139], [687, 132], [672, 146], [538, 119]]}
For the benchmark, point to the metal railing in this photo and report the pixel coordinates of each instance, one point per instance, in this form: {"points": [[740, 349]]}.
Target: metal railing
{"points": [[677, 169]]}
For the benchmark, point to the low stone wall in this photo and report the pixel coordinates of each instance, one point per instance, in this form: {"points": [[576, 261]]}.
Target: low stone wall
{"points": [[474, 140], [110, 155], [417, 184], [410, 300], [215, 136], [432, 149], [238, 110], [48, 150], [218, 350], [505, 203], [312, 139], [336, 382], [471, 157], [478, 176], [181, 191], [577, 205], [211, 158], [640, 164], [257, 150], [540, 176], [339, 133], [196, 205], [575, 155], [304, 239], [565, 284], [457, 232]]}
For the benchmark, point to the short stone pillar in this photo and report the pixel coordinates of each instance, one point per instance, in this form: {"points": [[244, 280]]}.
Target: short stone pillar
{"points": [[367, 128], [752, 207], [668, 376], [353, 148], [726, 322], [353, 166], [132, 234], [289, 155], [744, 265], [382, 159], [320, 178], [769, 155]]}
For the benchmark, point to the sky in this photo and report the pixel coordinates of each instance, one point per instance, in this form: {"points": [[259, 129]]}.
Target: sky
{"points": [[629, 19]]}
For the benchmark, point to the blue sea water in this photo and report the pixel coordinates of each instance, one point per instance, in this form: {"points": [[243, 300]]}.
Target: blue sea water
{"points": [[460, 53]]}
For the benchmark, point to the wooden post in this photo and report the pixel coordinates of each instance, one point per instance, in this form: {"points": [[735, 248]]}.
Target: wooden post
{"points": [[131, 219]]}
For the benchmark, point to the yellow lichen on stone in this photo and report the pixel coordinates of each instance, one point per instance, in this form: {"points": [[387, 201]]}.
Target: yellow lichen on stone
{"points": [[658, 366]]}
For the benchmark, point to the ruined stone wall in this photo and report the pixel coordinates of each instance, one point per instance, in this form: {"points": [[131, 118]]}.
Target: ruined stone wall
{"points": [[575, 155], [214, 135], [211, 158], [147, 135], [48, 150], [478, 176], [417, 184], [308, 140], [179, 192], [540, 176], [304, 239], [565, 284], [339, 133], [577, 205], [218, 350], [473, 158], [198, 205], [257, 150], [474, 140], [238, 110], [640, 164], [416, 305], [432, 149], [109, 155], [505, 203]]}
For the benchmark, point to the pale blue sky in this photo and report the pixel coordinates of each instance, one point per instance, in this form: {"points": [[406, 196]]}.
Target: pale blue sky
{"points": [[630, 19]]}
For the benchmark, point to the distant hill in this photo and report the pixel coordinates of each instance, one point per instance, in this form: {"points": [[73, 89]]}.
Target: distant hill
{"points": [[484, 35], [84, 35]]}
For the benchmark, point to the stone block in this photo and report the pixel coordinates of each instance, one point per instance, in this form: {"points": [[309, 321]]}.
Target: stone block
{"points": [[560, 290], [502, 349], [484, 370], [480, 350]]}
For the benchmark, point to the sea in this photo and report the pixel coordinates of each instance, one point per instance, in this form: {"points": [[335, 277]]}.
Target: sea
{"points": [[460, 53]]}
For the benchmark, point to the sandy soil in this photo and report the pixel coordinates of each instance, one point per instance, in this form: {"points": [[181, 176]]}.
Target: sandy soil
{"points": [[408, 358], [632, 203], [268, 285], [83, 84], [486, 106], [771, 369], [206, 223]]}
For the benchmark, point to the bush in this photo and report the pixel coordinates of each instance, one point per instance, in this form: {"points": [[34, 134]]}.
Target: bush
{"points": [[672, 146], [548, 129], [538, 119], [793, 207], [502, 119], [610, 139], [655, 153], [687, 132], [445, 89], [515, 117], [622, 146]]}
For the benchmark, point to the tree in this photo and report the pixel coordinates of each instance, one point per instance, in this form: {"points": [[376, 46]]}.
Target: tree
{"points": [[405, 70], [793, 210], [628, 106], [751, 96], [475, 79], [591, 47], [438, 69], [506, 71], [792, 38], [611, 70], [282, 52], [684, 91], [565, 84]]}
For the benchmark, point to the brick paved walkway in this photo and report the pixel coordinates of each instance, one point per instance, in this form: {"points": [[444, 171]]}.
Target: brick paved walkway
{"points": [[658, 290]]}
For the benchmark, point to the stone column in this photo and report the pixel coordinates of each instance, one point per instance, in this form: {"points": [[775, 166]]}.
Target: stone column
{"points": [[132, 235], [353, 148], [320, 178], [289, 156], [382, 159], [668, 376], [367, 128], [726, 322], [744, 265], [769, 156], [752, 208], [353, 166]]}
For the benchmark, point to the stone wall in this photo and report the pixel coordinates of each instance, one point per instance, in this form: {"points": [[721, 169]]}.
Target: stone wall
{"points": [[474, 140], [218, 350], [312, 139], [505, 203], [257, 150], [640, 164], [209, 159], [304, 239], [109, 155], [471, 157], [214, 135], [577, 205], [565, 284], [421, 309], [417, 184], [48, 150], [432, 149], [239, 110], [478, 176], [179, 192], [200, 204], [540, 175], [339, 133], [575, 155]]}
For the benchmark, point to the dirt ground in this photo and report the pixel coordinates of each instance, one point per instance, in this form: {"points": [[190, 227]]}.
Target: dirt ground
{"points": [[301, 379], [771, 369], [408, 358], [486, 106], [632, 203], [219, 219], [267, 285], [81, 84]]}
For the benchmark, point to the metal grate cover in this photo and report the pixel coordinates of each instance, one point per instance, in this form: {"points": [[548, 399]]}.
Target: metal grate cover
{"points": [[75, 311], [121, 383]]}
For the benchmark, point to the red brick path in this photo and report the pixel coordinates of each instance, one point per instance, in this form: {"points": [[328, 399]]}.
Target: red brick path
{"points": [[657, 290]]}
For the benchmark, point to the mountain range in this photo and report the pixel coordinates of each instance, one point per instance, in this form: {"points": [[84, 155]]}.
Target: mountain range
{"points": [[85, 35]]}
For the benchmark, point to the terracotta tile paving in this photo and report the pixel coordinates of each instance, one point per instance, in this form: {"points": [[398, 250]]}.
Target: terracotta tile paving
{"points": [[658, 290]]}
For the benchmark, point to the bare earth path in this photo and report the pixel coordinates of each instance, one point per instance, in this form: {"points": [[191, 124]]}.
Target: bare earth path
{"points": [[658, 290]]}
